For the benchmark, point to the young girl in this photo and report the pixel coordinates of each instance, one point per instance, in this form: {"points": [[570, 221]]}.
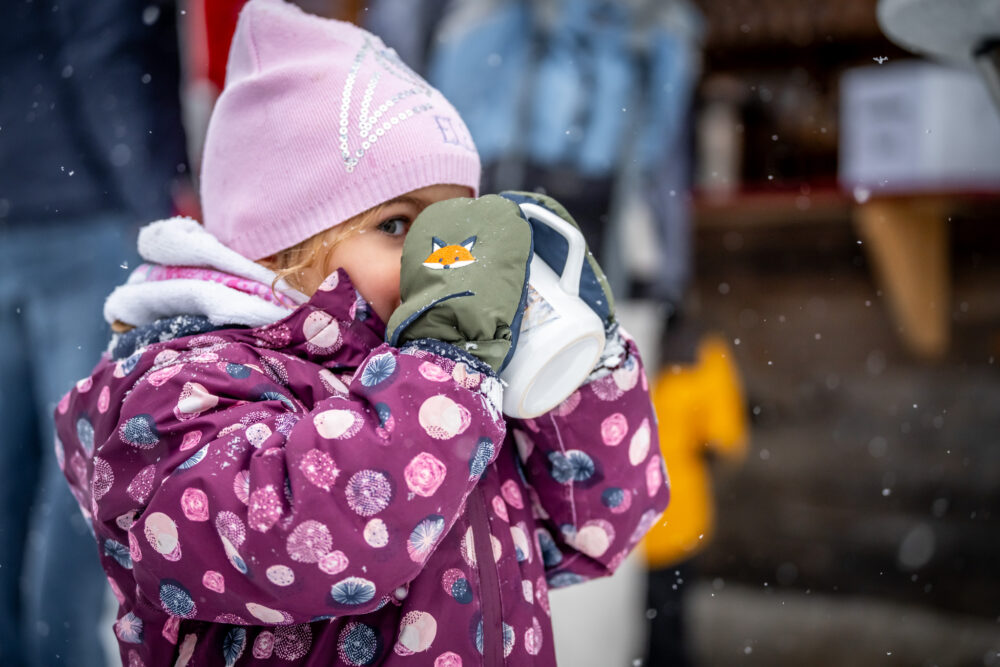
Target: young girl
{"points": [[269, 482]]}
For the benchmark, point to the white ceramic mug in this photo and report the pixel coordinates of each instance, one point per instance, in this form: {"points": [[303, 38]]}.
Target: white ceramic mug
{"points": [[561, 338]]}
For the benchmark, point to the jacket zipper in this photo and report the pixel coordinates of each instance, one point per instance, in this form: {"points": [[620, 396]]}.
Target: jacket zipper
{"points": [[489, 580]]}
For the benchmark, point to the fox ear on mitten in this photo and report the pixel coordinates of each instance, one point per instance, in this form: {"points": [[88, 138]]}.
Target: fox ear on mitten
{"points": [[469, 290]]}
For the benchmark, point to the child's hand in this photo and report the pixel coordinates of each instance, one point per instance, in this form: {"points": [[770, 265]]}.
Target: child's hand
{"points": [[551, 247], [464, 271]]}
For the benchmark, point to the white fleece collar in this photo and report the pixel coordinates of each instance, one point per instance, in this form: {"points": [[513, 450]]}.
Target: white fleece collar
{"points": [[183, 242]]}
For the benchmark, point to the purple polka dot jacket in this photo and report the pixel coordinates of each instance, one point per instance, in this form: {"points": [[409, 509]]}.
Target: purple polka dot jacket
{"points": [[303, 493]]}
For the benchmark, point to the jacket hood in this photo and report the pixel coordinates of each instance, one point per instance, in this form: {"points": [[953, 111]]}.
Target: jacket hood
{"points": [[337, 310], [183, 242], [223, 289]]}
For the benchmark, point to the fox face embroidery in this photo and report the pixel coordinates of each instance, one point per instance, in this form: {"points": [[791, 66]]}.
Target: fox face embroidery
{"points": [[450, 256]]}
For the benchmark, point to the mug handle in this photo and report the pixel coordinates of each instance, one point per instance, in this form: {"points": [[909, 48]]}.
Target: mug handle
{"points": [[569, 280]]}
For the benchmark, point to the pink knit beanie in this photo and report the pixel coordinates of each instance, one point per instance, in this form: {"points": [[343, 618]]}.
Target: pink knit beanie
{"points": [[319, 121]]}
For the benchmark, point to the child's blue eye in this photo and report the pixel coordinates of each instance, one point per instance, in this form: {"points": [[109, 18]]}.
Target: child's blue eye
{"points": [[394, 226]]}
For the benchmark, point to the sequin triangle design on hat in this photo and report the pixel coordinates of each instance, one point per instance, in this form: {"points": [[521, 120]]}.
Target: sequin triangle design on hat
{"points": [[368, 127]]}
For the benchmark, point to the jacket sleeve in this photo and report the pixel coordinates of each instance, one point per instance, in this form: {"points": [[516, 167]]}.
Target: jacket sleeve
{"points": [[283, 514], [594, 471]]}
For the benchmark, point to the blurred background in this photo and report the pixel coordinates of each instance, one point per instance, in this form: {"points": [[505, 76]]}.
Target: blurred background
{"points": [[797, 202]]}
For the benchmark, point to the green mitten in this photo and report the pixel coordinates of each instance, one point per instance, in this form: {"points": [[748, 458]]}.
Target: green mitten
{"points": [[552, 248], [463, 277]]}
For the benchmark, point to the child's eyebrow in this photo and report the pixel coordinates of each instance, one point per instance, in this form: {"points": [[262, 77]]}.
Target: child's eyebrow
{"points": [[407, 199]]}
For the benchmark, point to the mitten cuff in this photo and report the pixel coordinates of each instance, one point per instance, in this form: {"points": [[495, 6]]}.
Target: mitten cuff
{"points": [[449, 351], [615, 352]]}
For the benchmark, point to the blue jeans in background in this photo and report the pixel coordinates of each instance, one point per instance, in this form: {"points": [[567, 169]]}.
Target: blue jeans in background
{"points": [[54, 277]]}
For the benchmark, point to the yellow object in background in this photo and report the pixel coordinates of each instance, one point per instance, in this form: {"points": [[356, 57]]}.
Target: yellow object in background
{"points": [[699, 407]]}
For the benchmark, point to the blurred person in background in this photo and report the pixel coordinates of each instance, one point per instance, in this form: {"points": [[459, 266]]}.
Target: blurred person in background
{"points": [[699, 403], [585, 100], [90, 133]]}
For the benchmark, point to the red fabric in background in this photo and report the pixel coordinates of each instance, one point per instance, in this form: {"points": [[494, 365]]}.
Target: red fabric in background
{"points": [[220, 24], [207, 27]]}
